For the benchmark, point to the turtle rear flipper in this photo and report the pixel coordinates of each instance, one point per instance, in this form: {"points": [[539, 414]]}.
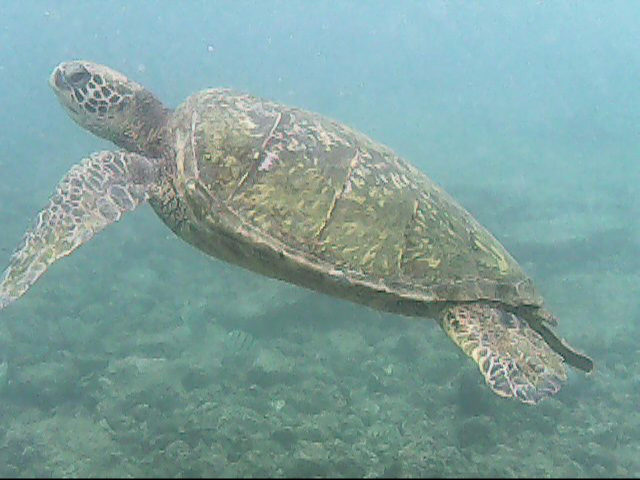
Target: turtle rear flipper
{"points": [[94, 194], [514, 359]]}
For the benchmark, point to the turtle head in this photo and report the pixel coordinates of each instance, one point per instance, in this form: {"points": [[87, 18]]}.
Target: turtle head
{"points": [[111, 106]]}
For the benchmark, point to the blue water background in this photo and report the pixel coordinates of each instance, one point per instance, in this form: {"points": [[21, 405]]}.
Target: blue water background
{"points": [[527, 112]]}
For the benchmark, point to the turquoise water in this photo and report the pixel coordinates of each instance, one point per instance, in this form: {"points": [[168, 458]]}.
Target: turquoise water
{"points": [[139, 356]]}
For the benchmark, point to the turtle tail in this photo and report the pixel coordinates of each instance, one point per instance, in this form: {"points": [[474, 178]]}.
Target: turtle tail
{"points": [[569, 355], [515, 360]]}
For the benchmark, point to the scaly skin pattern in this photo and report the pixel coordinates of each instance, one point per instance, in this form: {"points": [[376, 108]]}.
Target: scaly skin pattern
{"points": [[513, 358], [296, 196], [94, 194]]}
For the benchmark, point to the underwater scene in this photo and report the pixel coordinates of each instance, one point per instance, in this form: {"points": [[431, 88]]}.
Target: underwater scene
{"points": [[234, 325]]}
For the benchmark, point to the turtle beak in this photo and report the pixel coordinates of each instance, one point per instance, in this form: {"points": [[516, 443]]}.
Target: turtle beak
{"points": [[62, 88], [56, 80]]}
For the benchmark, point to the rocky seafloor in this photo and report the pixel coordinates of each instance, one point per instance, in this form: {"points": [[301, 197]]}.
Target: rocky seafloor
{"points": [[138, 356]]}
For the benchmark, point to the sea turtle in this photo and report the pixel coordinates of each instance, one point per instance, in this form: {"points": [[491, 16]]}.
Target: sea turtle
{"points": [[299, 197]]}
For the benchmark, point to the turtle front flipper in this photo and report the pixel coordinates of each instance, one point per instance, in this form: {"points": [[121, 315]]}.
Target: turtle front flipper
{"points": [[94, 194], [514, 359]]}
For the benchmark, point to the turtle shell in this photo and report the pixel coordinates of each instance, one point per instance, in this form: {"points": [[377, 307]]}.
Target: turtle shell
{"points": [[297, 196]]}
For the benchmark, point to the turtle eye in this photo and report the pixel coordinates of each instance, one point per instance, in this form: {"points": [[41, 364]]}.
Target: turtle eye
{"points": [[77, 76]]}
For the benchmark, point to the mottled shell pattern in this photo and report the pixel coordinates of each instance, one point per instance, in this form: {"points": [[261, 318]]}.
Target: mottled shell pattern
{"points": [[297, 196]]}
